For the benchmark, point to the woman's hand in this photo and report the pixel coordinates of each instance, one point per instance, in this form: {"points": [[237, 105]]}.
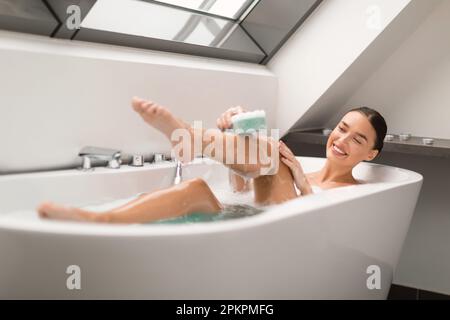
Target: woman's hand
{"points": [[289, 159], [224, 121]]}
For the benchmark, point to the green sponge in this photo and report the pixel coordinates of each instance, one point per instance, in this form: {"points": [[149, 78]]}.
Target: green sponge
{"points": [[249, 122]]}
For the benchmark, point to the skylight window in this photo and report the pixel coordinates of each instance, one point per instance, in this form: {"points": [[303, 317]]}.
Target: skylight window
{"points": [[226, 8], [244, 30], [136, 18], [148, 20]]}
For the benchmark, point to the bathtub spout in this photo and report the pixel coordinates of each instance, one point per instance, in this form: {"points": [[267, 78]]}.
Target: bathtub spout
{"points": [[89, 153], [178, 173]]}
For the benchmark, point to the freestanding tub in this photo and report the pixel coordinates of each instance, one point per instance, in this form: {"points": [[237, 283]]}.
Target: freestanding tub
{"points": [[316, 247]]}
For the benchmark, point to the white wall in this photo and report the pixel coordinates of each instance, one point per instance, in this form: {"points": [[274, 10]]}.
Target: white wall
{"points": [[58, 96], [321, 50], [411, 88]]}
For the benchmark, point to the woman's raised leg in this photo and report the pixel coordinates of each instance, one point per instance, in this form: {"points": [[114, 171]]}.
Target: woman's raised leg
{"points": [[271, 188], [247, 155]]}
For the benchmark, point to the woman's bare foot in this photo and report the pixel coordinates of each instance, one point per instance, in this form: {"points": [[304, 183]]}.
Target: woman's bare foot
{"points": [[48, 210], [163, 120], [158, 116]]}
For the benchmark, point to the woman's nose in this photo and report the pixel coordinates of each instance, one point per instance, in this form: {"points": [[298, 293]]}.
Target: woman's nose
{"points": [[344, 138]]}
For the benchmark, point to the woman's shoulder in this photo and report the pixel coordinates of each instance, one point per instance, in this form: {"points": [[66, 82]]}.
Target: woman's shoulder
{"points": [[329, 186], [312, 179]]}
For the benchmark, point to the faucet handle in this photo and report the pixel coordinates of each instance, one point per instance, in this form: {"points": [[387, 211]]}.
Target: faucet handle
{"points": [[86, 164], [137, 160], [159, 157], [115, 162]]}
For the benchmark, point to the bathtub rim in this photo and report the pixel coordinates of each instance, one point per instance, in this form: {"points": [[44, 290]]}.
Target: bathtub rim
{"points": [[310, 204]]}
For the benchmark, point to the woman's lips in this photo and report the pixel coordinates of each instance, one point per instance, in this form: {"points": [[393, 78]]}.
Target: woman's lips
{"points": [[337, 151]]}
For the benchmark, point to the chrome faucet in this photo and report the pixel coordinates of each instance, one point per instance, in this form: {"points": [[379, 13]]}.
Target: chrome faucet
{"points": [[110, 155]]}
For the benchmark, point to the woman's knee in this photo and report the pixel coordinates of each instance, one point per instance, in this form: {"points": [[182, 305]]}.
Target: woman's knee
{"points": [[198, 183], [203, 192]]}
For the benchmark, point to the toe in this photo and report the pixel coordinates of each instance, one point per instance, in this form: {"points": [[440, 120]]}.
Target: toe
{"points": [[43, 209], [146, 105], [152, 109], [136, 103], [42, 214]]}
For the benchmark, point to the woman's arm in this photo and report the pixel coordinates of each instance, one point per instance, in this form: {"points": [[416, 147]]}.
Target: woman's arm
{"points": [[237, 182], [288, 158]]}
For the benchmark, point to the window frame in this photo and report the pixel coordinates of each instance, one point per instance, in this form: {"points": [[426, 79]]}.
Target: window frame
{"points": [[245, 26]]}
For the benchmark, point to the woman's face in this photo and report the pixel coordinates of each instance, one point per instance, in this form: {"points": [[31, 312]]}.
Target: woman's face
{"points": [[352, 141]]}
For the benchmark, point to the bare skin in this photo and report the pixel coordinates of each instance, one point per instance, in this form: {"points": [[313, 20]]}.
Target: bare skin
{"points": [[163, 120], [190, 196], [238, 183], [351, 142]]}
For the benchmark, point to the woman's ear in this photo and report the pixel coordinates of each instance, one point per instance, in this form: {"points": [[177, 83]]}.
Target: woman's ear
{"points": [[372, 155]]}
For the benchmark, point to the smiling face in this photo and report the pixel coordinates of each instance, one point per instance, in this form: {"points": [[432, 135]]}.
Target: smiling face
{"points": [[352, 141]]}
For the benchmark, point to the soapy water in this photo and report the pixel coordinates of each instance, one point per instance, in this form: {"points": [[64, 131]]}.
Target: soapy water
{"points": [[236, 205], [229, 212]]}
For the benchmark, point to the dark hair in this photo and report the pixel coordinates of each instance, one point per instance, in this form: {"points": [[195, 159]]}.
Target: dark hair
{"points": [[378, 123]]}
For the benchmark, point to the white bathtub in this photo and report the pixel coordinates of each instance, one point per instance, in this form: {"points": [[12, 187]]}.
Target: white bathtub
{"points": [[315, 247]]}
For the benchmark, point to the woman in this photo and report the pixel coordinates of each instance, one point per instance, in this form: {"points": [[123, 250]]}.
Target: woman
{"points": [[358, 137]]}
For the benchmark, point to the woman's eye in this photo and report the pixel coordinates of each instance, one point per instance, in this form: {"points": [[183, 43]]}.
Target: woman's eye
{"points": [[357, 141]]}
